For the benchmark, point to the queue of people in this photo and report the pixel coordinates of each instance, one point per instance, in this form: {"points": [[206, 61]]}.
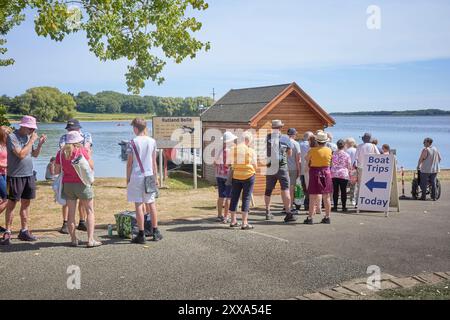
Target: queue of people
{"points": [[324, 170]]}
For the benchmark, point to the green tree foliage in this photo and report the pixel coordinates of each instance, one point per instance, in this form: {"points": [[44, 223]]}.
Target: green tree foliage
{"points": [[45, 103], [3, 119], [146, 32]]}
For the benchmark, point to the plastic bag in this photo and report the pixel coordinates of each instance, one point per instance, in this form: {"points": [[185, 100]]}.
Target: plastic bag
{"points": [[57, 189], [299, 195]]}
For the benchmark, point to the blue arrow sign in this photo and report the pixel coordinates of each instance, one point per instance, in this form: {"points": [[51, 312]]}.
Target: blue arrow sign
{"points": [[371, 184]]}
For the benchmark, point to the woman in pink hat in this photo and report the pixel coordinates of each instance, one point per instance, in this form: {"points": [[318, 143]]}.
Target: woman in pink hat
{"points": [[73, 187], [20, 178]]}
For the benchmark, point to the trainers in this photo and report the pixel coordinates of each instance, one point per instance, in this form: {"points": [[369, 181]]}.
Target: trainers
{"points": [[290, 218], [26, 236], [138, 239], [2, 229], [326, 220], [93, 244], [269, 215], [64, 229], [82, 226], [226, 220], [220, 219], [344, 210], [6, 240], [157, 235], [334, 210], [308, 221]]}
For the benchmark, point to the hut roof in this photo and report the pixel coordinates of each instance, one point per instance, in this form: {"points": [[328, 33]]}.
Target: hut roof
{"points": [[250, 104]]}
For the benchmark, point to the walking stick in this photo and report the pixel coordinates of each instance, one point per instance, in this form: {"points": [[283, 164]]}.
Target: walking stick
{"points": [[403, 184]]}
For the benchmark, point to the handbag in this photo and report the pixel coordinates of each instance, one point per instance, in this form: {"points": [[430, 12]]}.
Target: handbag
{"points": [[58, 185], [149, 181], [83, 170]]}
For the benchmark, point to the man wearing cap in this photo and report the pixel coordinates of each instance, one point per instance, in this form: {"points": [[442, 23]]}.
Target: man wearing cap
{"points": [[74, 125], [367, 147], [279, 147], [21, 182], [293, 162]]}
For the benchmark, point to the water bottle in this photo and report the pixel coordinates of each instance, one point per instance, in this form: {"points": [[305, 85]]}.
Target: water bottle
{"points": [[110, 230]]}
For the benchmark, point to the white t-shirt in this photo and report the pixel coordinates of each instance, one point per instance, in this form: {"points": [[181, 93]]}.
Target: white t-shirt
{"points": [[363, 149], [145, 147]]}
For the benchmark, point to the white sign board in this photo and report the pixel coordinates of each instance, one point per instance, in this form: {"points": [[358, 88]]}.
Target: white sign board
{"points": [[376, 182]]}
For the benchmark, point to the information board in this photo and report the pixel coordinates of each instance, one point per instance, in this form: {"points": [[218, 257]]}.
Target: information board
{"points": [[177, 132]]}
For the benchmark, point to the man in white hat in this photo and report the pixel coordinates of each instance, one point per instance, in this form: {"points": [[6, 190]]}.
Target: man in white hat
{"points": [[222, 168], [20, 177], [279, 148]]}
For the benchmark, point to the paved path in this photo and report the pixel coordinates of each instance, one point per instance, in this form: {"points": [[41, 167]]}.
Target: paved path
{"points": [[205, 260]]}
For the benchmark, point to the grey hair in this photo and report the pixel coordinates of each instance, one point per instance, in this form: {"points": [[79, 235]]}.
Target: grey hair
{"points": [[307, 135]]}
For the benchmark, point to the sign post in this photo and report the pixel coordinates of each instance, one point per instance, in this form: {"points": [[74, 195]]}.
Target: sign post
{"points": [[376, 183]]}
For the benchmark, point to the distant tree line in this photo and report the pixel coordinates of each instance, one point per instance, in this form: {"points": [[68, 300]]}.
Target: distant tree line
{"points": [[49, 104], [424, 112]]}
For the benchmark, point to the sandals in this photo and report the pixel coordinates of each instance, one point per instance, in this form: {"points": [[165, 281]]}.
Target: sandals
{"points": [[235, 225], [93, 244], [75, 243], [247, 227]]}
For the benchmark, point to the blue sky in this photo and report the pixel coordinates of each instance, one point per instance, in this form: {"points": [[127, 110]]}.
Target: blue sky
{"points": [[324, 46]]}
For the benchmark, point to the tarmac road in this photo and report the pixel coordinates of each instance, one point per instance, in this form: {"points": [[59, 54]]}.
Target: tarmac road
{"points": [[206, 260]]}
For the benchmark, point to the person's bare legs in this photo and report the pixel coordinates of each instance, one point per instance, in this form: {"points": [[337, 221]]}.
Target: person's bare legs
{"points": [[292, 193], [24, 210], [220, 202], [226, 208], [72, 207], [267, 200], [65, 213], [153, 215], [83, 212], [233, 217], [327, 203], [285, 196], [245, 218], [88, 208], [9, 215], [3, 204], [313, 202]]}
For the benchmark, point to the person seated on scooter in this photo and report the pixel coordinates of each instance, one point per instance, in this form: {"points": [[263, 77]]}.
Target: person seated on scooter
{"points": [[428, 165]]}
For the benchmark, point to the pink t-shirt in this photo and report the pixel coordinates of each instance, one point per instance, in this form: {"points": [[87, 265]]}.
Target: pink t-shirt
{"points": [[3, 160], [341, 165], [70, 175]]}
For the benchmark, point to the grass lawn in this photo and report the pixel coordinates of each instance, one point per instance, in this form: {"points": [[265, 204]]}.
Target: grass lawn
{"points": [[179, 201], [439, 291]]}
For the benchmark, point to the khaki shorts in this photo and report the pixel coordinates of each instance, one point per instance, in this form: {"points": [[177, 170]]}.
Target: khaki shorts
{"points": [[75, 191]]}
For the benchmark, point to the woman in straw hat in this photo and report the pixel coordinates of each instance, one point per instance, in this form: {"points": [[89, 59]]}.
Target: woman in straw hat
{"points": [[222, 166], [320, 183], [73, 187]]}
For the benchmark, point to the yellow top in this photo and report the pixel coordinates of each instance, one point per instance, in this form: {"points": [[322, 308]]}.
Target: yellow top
{"points": [[243, 158], [320, 156]]}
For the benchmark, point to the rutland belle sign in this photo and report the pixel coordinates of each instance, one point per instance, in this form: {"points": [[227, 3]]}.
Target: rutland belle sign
{"points": [[376, 182]]}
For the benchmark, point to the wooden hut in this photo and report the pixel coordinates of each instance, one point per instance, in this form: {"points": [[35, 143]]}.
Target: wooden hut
{"points": [[255, 108]]}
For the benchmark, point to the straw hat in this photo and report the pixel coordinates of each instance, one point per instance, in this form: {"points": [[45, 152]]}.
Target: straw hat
{"points": [[277, 124], [321, 137]]}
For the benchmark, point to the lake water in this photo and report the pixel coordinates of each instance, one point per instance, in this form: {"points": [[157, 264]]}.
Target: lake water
{"points": [[405, 134]]}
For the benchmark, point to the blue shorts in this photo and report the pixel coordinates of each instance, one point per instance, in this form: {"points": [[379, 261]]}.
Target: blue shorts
{"points": [[224, 191], [3, 194]]}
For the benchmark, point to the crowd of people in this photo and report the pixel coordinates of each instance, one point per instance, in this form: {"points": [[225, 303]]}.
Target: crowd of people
{"points": [[324, 169], [327, 172], [18, 179]]}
